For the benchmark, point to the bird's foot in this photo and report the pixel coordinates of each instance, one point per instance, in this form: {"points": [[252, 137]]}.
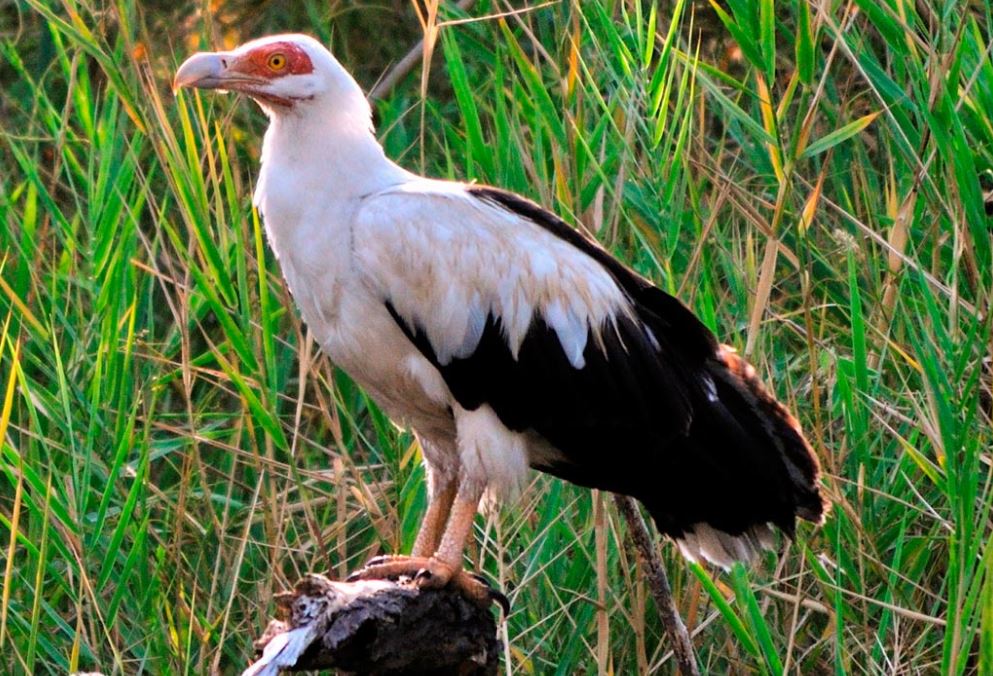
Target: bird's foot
{"points": [[431, 573]]}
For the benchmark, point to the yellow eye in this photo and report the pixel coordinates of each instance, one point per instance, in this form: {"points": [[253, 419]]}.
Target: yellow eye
{"points": [[277, 62]]}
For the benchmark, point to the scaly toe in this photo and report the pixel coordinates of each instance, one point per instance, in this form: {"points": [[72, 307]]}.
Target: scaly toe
{"points": [[472, 586], [389, 568], [434, 575], [381, 559]]}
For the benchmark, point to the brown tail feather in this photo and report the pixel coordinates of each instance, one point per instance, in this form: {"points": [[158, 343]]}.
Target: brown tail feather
{"points": [[799, 458]]}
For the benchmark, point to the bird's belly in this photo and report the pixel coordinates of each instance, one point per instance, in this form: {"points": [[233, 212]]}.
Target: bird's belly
{"points": [[352, 326], [364, 341], [357, 332]]}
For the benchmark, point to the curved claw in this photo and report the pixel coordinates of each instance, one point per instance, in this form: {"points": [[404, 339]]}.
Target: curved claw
{"points": [[431, 573], [496, 596], [501, 600], [479, 577], [377, 560]]}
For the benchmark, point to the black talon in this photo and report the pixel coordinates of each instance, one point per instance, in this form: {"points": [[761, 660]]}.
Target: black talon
{"points": [[354, 577], [423, 574], [376, 560], [501, 600], [479, 578], [496, 595]]}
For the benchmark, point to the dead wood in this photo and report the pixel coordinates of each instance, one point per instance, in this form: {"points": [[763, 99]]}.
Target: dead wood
{"points": [[377, 627]]}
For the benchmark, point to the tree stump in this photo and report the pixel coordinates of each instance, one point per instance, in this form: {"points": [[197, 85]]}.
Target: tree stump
{"points": [[377, 627]]}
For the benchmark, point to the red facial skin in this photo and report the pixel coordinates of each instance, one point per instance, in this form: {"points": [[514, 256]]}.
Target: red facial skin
{"points": [[265, 63]]}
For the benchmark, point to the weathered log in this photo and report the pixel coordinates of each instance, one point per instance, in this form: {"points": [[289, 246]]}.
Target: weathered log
{"points": [[377, 627]]}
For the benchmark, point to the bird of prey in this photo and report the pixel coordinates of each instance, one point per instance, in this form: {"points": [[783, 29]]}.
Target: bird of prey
{"points": [[504, 338]]}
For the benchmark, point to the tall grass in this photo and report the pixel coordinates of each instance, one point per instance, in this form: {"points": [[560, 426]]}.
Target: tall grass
{"points": [[808, 176]]}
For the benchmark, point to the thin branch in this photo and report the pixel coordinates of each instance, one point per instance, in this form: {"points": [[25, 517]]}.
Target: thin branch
{"points": [[682, 646], [407, 63]]}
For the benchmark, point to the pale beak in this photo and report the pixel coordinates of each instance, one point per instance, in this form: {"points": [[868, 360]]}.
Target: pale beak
{"points": [[210, 70], [204, 70], [225, 71]]}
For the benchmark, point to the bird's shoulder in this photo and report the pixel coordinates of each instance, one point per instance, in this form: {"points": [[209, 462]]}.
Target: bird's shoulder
{"points": [[446, 257], [431, 227], [452, 213], [452, 220], [445, 233]]}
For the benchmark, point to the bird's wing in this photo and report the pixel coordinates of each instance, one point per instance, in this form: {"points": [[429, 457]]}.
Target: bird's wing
{"points": [[510, 312], [519, 311]]}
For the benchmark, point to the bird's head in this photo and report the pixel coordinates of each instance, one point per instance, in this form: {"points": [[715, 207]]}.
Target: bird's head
{"points": [[283, 73]]}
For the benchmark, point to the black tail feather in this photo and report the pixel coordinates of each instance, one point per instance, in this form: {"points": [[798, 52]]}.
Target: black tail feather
{"points": [[754, 465]]}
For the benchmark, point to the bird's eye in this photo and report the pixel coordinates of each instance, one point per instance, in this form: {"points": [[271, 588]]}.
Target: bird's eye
{"points": [[277, 61]]}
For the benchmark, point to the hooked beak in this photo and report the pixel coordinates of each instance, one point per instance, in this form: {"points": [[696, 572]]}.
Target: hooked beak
{"points": [[211, 70]]}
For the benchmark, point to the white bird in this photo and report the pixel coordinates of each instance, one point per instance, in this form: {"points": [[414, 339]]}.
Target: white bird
{"points": [[502, 336]]}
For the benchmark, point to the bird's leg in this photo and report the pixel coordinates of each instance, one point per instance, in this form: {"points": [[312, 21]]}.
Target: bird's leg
{"points": [[448, 557], [435, 518], [444, 567], [456, 513], [440, 500]]}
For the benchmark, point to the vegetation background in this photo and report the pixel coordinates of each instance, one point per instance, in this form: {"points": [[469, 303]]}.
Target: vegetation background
{"points": [[808, 175]]}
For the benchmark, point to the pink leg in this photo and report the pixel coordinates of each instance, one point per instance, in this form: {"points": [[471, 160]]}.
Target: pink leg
{"points": [[444, 567]]}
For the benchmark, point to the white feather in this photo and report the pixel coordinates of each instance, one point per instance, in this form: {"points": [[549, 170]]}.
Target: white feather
{"points": [[710, 388], [474, 329], [491, 455], [570, 329], [427, 377], [704, 542], [514, 267]]}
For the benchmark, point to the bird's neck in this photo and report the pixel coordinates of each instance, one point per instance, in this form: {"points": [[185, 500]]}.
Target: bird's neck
{"points": [[335, 153], [315, 171]]}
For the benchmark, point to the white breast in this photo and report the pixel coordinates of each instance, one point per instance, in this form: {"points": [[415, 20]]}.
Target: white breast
{"points": [[307, 209], [356, 331]]}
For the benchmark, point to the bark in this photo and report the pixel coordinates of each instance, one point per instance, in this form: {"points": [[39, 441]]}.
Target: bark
{"points": [[682, 645], [379, 628]]}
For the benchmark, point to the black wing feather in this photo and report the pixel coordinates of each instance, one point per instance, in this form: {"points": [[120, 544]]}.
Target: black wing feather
{"points": [[640, 418]]}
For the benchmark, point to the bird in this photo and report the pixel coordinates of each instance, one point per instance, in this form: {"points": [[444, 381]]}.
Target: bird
{"points": [[503, 337]]}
